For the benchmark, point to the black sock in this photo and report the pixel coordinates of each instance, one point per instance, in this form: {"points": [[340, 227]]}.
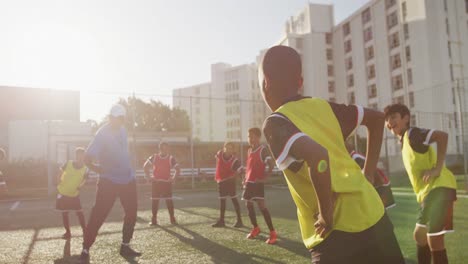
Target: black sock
{"points": [[267, 216], [170, 207], [424, 254], [440, 257], [253, 218], [235, 202], [155, 207], [222, 209], [66, 222]]}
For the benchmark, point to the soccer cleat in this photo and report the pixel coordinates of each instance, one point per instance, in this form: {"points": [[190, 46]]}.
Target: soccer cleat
{"points": [[66, 235], [238, 224], [153, 222], [127, 251], [272, 239], [254, 233], [84, 257], [218, 224]]}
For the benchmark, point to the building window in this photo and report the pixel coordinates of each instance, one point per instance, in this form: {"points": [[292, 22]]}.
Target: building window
{"points": [[409, 73], [369, 53], [347, 46], [466, 6], [396, 61], [299, 44], [452, 76], [406, 30], [392, 20], [447, 26], [367, 34], [371, 72], [328, 38], [329, 54], [372, 91], [390, 3], [330, 70], [399, 100], [350, 80], [449, 50], [394, 40], [397, 83], [346, 29], [366, 16], [349, 63], [404, 10], [413, 121], [408, 53], [411, 99], [351, 98], [332, 99], [331, 86], [445, 6]]}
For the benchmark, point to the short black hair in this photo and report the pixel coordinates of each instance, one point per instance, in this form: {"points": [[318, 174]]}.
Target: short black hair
{"points": [[402, 109], [282, 65], [256, 131]]}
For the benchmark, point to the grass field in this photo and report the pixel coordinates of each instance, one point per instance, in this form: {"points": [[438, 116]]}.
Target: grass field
{"points": [[30, 232]]}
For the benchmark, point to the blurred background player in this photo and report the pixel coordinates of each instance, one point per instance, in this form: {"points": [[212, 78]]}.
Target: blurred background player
{"points": [[228, 168], [161, 165], [73, 175], [435, 186], [381, 181], [255, 175]]}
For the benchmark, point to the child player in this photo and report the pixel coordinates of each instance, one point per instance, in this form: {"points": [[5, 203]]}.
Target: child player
{"points": [[341, 216], [434, 185], [227, 168], [381, 181], [73, 175], [161, 165], [255, 176]]}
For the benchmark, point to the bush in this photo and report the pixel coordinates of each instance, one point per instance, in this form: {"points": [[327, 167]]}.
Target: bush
{"points": [[26, 174]]}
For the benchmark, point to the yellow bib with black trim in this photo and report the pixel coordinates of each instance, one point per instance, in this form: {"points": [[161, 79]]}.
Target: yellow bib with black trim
{"points": [[358, 206], [71, 180], [415, 165]]}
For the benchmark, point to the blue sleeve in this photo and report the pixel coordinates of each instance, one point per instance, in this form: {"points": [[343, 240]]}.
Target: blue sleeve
{"points": [[95, 147]]}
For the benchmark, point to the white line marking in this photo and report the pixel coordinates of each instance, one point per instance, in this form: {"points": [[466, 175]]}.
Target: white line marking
{"points": [[412, 194], [177, 198], [15, 206]]}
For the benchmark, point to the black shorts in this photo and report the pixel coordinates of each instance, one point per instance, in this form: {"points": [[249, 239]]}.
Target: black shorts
{"points": [[385, 193], [436, 211], [161, 190], [227, 188], [67, 203], [377, 244], [254, 191]]}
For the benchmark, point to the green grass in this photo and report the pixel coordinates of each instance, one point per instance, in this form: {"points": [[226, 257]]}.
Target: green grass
{"points": [[31, 234]]}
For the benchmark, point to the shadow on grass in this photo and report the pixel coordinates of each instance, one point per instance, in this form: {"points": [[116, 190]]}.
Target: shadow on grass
{"points": [[218, 253]]}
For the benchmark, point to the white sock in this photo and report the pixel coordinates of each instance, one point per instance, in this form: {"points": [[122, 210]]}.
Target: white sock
{"points": [[85, 251]]}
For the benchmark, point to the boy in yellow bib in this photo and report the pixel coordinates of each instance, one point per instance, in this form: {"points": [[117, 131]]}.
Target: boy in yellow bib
{"points": [[73, 176], [434, 185], [340, 214]]}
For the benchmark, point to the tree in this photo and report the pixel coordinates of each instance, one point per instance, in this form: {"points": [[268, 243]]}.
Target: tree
{"points": [[154, 116]]}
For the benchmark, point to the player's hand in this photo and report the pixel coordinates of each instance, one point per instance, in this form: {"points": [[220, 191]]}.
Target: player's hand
{"points": [[430, 174], [322, 226]]}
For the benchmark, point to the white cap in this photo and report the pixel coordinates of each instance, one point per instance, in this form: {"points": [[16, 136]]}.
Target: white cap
{"points": [[117, 110]]}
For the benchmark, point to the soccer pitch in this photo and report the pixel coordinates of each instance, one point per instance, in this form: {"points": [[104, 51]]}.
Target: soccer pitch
{"points": [[31, 232]]}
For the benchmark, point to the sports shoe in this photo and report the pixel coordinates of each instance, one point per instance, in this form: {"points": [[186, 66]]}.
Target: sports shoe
{"points": [[218, 224], [84, 257], [272, 239], [255, 231], [153, 222], [238, 224], [127, 251]]}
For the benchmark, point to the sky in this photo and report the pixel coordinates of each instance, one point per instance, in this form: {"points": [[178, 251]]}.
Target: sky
{"points": [[112, 48]]}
